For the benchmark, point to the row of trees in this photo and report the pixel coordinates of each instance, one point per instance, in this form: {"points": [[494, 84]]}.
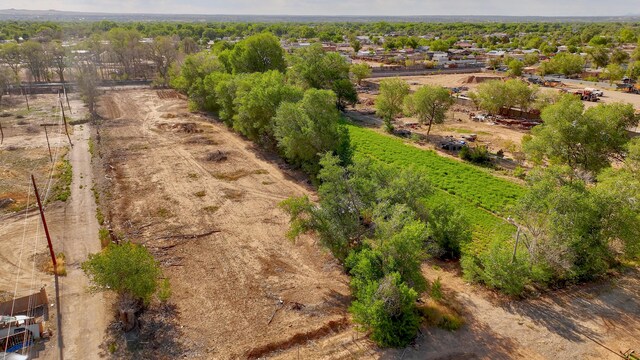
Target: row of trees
{"points": [[294, 112], [579, 217], [118, 54], [518, 35]]}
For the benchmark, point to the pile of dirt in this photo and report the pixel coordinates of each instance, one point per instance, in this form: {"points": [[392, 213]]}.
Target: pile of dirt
{"points": [[168, 94], [479, 79], [217, 156], [189, 128]]}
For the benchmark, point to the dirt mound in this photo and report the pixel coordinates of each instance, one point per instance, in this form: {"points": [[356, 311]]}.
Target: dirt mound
{"points": [[217, 156], [168, 94], [300, 338], [479, 79], [189, 128]]}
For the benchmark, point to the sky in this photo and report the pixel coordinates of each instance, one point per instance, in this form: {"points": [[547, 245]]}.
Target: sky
{"points": [[342, 7]]}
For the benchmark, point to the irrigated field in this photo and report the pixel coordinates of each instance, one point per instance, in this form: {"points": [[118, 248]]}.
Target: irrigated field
{"points": [[482, 197]]}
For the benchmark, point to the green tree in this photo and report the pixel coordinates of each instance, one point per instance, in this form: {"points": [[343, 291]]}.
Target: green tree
{"points": [[389, 102], [257, 98], [312, 67], [307, 129], [129, 270], [429, 104], [11, 55], [568, 64], [515, 68], [360, 72], [581, 139], [599, 56], [448, 230], [619, 57], [257, 53], [7, 77], [345, 92], [613, 72], [87, 80]]}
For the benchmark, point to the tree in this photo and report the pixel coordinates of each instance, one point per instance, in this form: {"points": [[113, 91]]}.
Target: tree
{"points": [[11, 55], [7, 77], [619, 57], [163, 52], [33, 55], [312, 67], [599, 56], [127, 269], [531, 59], [360, 72], [308, 129], [125, 46], [356, 45], [447, 230], [346, 93], [389, 102], [568, 64], [613, 72], [581, 139], [58, 57], [429, 104], [87, 80], [256, 100], [515, 68], [633, 70], [257, 53]]}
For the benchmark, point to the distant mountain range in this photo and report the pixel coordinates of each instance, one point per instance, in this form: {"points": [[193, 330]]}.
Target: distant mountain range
{"points": [[55, 15]]}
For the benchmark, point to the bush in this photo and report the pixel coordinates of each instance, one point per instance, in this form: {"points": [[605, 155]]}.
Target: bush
{"points": [[477, 154], [388, 309], [447, 229]]}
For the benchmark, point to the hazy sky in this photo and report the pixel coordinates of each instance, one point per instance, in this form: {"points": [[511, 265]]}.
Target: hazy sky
{"points": [[342, 7]]}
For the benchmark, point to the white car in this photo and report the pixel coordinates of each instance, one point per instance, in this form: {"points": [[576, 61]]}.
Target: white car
{"points": [[597, 92]]}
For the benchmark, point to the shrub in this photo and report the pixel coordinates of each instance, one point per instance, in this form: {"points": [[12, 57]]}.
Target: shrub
{"points": [[476, 154], [387, 308], [447, 229]]}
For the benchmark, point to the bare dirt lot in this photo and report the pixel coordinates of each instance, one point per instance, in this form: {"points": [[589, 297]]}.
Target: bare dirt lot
{"points": [[205, 202], [470, 80]]}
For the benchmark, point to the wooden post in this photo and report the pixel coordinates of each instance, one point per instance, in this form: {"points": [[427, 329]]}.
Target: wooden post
{"points": [[46, 229], [64, 118], [48, 146], [1, 135], [64, 88], [26, 98]]}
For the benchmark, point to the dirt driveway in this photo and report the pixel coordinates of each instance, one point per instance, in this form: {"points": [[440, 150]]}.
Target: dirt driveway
{"points": [[205, 202]]}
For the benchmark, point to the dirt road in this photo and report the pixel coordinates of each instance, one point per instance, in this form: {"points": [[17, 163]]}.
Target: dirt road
{"points": [[85, 316], [171, 179]]}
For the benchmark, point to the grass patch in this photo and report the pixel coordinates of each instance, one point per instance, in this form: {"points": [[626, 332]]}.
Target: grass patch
{"points": [[238, 174], [61, 268], [63, 174], [105, 238], [211, 208], [92, 146], [435, 313], [163, 212]]}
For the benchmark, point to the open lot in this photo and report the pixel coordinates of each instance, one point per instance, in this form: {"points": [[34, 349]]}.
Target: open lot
{"points": [[205, 202]]}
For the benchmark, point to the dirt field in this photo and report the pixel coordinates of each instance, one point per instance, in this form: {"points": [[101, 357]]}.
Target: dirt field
{"points": [[470, 80], [204, 201]]}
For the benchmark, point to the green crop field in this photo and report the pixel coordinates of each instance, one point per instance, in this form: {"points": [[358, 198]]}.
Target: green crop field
{"points": [[481, 196]]}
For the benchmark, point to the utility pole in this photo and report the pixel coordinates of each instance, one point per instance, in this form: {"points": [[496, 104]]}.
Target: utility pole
{"points": [[64, 89], [64, 118], [25, 97], [46, 229], [47, 136]]}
